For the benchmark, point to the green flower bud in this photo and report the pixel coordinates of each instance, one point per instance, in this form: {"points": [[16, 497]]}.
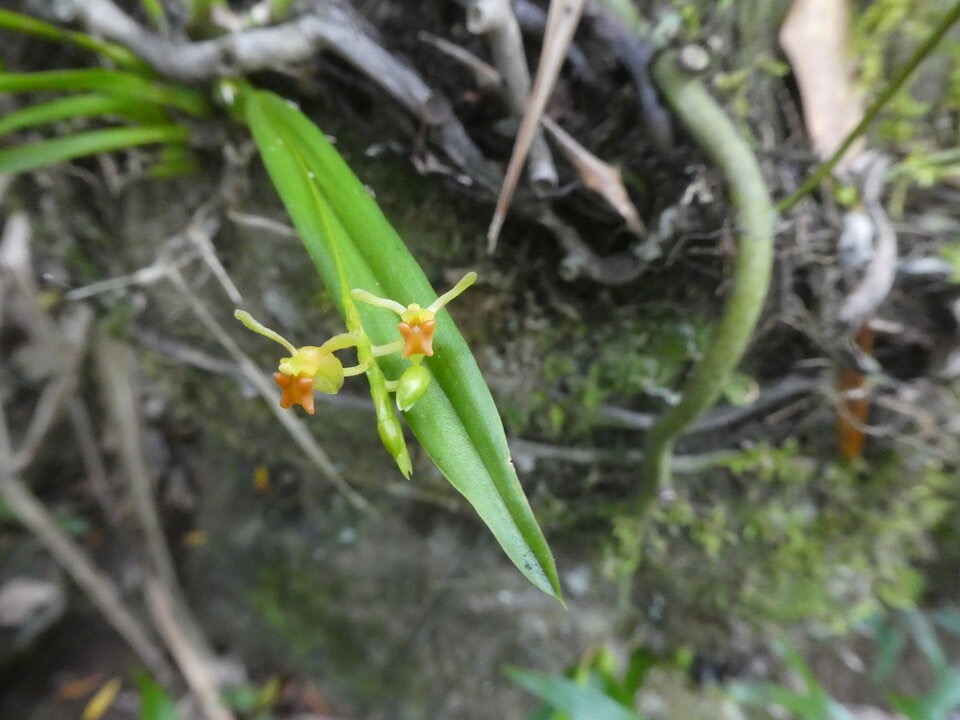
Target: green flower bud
{"points": [[412, 386], [391, 435]]}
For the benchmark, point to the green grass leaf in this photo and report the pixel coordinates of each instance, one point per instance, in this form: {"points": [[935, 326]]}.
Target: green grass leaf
{"points": [[155, 702], [154, 11], [577, 702], [353, 246], [78, 106], [18, 22], [948, 618], [926, 640], [812, 703], [50, 152], [115, 83]]}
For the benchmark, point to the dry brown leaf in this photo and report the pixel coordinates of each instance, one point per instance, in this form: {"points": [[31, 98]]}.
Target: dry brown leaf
{"points": [[603, 178], [815, 37], [76, 688]]}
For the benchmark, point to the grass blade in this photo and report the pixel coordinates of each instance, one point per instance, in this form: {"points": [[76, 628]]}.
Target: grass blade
{"points": [[353, 246], [109, 82], [577, 702], [50, 152], [92, 105], [18, 22], [155, 702]]}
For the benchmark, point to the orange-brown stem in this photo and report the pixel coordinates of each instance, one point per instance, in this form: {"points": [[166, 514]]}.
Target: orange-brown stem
{"points": [[854, 408]]}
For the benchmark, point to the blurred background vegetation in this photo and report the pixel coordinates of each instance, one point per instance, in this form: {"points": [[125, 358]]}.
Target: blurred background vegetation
{"points": [[779, 574]]}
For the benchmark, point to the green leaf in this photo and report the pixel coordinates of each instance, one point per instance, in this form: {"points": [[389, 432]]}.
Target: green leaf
{"points": [[155, 702], [945, 699], [92, 105], [154, 11], [174, 161], [765, 694], [813, 703], [948, 619], [578, 702], [926, 640], [115, 83], [17, 22], [642, 661], [344, 231], [50, 152], [890, 642], [6, 514], [807, 707]]}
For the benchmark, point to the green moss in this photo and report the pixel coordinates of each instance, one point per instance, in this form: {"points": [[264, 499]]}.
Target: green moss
{"points": [[776, 537], [637, 354], [306, 613]]}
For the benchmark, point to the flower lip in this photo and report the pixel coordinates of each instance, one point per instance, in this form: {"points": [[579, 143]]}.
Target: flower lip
{"points": [[417, 337], [296, 390]]}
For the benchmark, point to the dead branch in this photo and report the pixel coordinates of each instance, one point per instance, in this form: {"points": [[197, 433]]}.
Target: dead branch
{"points": [[582, 261], [98, 586], [881, 271], [93, 463], [28, 509], [193, 663], [635, 54]]}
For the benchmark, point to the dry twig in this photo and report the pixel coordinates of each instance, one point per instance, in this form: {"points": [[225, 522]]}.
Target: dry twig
{"points": [[30, 511], [562, 20], [582, 261], [90, 454], [881, 271], [484, 74], [193, 663], [495, 20]]}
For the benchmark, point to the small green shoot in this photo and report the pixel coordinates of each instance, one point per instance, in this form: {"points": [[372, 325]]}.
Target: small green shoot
{"points": [[155, 702], [892, 636], [597, 671], [951, 253], [811, 702], [575, 701]]}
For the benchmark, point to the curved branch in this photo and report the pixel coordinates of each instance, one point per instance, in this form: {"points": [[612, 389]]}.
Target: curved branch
{"points": [[719, 139]]}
